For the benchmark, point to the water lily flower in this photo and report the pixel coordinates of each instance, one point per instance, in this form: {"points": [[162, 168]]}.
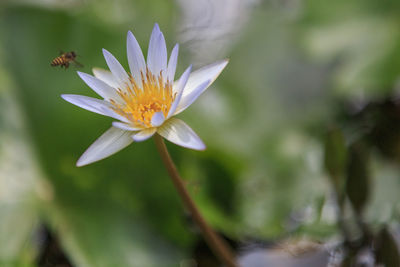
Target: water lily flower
{"points": [[145, 100]]}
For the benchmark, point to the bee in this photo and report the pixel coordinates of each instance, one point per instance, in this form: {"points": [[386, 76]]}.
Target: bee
{"points": [[65, 59]]}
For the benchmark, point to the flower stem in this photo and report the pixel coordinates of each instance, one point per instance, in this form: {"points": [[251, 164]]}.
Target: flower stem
{"points": [[220, 248]]}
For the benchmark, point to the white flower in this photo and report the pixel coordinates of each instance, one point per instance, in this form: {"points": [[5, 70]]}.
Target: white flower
{"points": [[144, 101]]}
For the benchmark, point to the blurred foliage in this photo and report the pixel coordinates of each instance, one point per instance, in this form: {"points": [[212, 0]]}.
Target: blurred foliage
{"points": [[358, 180], [296, 68], [335, 158], [387, 249]]}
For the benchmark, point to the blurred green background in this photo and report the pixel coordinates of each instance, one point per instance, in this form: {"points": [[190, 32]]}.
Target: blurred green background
{"points": [[295, 68]]}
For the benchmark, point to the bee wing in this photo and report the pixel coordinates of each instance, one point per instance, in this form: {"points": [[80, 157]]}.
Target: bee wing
{"points": [[77, 64]]}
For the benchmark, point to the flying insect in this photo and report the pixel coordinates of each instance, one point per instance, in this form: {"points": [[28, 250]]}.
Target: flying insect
{"points": [[65, 59]]}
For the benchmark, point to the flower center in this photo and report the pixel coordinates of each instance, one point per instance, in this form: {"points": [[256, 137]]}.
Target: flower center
{"points": [[140, 103]]}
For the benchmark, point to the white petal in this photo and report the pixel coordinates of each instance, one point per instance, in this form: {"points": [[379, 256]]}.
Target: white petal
{"points": [[106, 76], [117, 70], [94, 105], [157, 119], [100, 87], [152, 47], [88, 103], [135, 58], [144, 134], [111, 113], [112, 141], [157, 53], [209, 72], [162, 55], [125, 126], [179, 90], [189, 99], [178, 132], [173, 60]]}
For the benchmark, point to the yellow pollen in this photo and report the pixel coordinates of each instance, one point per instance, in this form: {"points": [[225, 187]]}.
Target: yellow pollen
{"points": [[141, 103]]}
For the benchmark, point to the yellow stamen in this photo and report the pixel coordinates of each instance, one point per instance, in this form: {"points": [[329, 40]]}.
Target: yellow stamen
{"points": [[140, 103]]}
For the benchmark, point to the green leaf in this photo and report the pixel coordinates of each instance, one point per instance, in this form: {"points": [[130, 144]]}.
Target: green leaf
{"points": [[21, 180], [335, 158], [120, 212], [358, 180], [387, 250]]}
